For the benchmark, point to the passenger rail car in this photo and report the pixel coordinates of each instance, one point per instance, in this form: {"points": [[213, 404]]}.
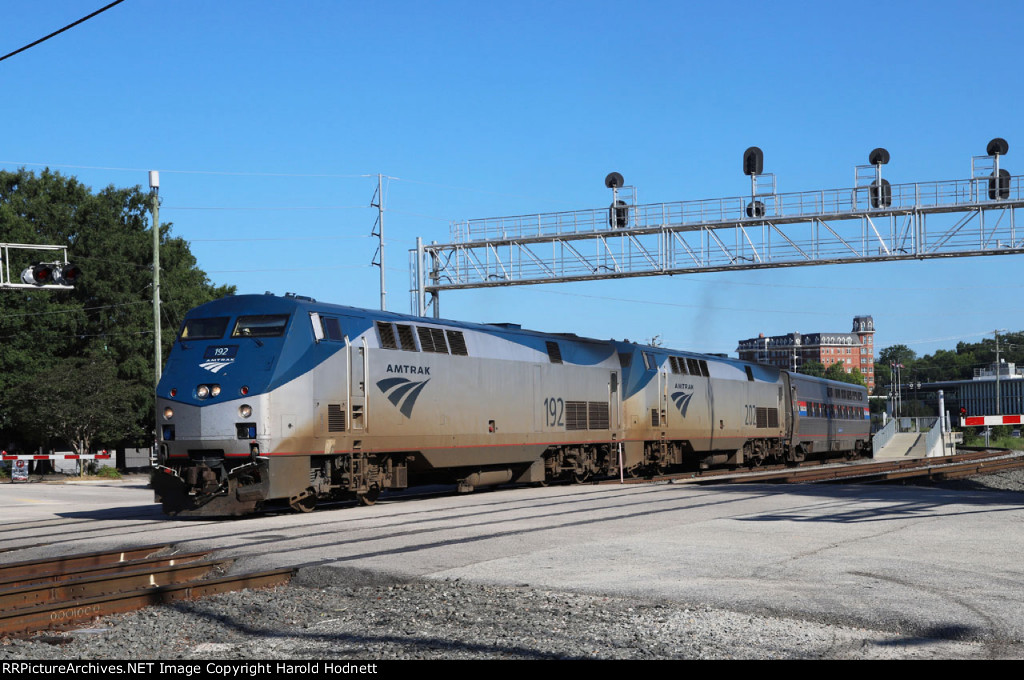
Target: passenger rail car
{"points": [[267, 398]]}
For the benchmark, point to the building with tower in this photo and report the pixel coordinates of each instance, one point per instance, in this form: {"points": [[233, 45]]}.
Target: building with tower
{"points": [[855, 349]]}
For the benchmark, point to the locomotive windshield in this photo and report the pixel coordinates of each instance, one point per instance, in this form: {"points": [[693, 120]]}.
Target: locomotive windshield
{"points": [[261, 326], [204, 329]]}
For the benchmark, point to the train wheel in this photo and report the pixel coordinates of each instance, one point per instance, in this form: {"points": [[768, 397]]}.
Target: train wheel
{"points": [[580, 476], [370, 497]]}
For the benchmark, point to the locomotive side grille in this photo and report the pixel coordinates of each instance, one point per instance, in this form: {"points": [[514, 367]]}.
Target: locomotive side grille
{"points": [[655, 420], [554, 352], [335, 418], [767, 417], [625, 360], [457, 342], [598, 415], [387, 335], [406, 337], [575, 415], [432, 340], [679, 365], [426, 342], [439, 342], [693, 366]]}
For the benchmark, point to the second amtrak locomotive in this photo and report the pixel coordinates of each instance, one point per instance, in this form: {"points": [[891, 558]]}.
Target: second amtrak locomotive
{"points": [[268, 398]]}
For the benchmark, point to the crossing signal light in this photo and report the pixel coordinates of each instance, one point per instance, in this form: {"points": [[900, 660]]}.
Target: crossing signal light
{"points": [[44, 273], [39, 275], [68, 274]]}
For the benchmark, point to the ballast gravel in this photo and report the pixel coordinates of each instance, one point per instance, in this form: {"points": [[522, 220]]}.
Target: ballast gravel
{"points": [[317, 618], [347, 614]]}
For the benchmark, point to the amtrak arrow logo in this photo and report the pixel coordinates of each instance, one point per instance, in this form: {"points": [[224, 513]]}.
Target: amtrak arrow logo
{"points": [[402, 392], [214, 366], [682, 401]]}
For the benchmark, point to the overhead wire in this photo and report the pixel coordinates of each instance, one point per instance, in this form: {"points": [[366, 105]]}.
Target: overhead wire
{"points": [[58, 32]]}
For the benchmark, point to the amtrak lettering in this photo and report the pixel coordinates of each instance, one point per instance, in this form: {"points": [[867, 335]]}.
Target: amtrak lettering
{"points": [[402, 392], [398, 368]]}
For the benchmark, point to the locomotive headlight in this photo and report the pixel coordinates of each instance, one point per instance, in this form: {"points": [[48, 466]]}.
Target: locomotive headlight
{"points": [[202, 391], [214, 390], [245, 410], [168, 413]]}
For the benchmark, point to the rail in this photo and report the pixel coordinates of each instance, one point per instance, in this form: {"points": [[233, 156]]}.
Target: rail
{"points": [[948, 467], [72, 589]]}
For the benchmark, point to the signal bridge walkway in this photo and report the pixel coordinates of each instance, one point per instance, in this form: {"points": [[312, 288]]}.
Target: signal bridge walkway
{"points": [[954, 218]]}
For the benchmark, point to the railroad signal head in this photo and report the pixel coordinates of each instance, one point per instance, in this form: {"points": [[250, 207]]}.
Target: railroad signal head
{"points": [[999, 185], [997, 147], [881, 194], [753, 161]]}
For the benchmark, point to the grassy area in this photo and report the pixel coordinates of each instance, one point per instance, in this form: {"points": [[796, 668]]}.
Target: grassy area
{"points": [[1016, 443]]}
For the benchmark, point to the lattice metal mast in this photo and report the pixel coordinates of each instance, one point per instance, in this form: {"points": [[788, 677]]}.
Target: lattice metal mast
{"points": [[871, 221]]}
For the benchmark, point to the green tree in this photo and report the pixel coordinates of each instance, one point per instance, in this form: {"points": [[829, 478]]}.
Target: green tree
{"points": [[855, 377], [899, 354], [75, 400], [837, 371], [108, 317], [815, 368]]}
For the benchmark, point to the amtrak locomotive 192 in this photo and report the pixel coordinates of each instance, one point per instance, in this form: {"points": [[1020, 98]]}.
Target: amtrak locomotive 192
{"points": [[284, 399]]}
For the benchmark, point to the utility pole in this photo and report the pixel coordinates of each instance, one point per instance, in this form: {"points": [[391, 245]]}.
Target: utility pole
{"points": [[999, 370], [154, 186], [154, 202], [379, 233]]}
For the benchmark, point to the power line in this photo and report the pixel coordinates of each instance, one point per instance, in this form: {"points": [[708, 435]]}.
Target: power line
{"points": [[190, 172], [72, 25], [238, 173], [74, 310], [290, 269], [296, 207], [300, 238]]}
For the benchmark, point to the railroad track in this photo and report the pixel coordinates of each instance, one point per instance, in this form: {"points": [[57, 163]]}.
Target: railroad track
{"points": [[947, 467], [58, 593]]}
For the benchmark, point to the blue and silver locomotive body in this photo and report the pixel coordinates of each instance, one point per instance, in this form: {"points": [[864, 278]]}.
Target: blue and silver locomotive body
{"points": [[286, 399]]}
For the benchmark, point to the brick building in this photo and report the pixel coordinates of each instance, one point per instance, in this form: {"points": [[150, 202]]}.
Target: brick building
{"points": [[855, 349]]}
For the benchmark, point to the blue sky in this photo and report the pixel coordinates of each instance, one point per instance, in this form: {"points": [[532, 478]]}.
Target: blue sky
{"points": [[270, 120]]}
